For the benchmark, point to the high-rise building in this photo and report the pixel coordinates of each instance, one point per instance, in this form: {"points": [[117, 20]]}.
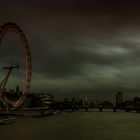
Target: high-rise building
{"points": [[119, 98]]}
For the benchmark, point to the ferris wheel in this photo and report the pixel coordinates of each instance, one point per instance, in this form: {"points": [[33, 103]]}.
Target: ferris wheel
{"points": [[12, 27]]}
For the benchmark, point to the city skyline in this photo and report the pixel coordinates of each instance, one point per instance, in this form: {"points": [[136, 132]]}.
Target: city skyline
{"points": [[85, 47]]}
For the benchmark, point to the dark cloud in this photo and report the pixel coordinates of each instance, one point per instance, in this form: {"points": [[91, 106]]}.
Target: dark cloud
{"points": [[78, 46]]}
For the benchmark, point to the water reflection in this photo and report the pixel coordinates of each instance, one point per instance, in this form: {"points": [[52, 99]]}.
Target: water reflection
{"points": [[22, 130]]}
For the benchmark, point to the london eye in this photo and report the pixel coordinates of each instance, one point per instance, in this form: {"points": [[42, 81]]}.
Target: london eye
{"points": [[4, 29]]}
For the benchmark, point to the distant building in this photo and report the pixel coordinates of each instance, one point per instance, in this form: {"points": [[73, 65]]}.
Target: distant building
{"points": [[119, 99], [18, 93], [46, 99]]}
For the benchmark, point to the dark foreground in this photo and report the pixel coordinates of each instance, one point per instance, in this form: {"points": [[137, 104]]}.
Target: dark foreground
{"points": [[75, 126]]}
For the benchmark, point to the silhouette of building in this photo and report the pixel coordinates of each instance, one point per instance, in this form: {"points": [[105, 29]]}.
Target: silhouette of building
{"points": [[119, 99]]}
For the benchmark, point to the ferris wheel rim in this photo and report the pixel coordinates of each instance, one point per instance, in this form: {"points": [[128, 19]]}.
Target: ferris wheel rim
{"points": [[12, 27]]}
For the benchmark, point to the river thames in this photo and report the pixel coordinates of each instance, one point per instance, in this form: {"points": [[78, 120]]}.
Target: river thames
{"points": [[75, 126]]}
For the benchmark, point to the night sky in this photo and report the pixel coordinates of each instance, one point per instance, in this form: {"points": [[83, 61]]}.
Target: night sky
{"points": [[85, 47]]}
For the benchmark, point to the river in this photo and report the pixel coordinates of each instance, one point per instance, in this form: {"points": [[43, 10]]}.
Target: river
{"points": [[75, 126]]}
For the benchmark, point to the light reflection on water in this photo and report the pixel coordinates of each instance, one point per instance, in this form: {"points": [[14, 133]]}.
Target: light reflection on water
{"points": [[18, 130], [28, 129], [22, 130]]}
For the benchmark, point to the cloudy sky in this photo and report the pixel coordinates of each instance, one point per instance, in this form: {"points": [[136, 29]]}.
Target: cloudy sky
{"points": [[85, 47]]}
